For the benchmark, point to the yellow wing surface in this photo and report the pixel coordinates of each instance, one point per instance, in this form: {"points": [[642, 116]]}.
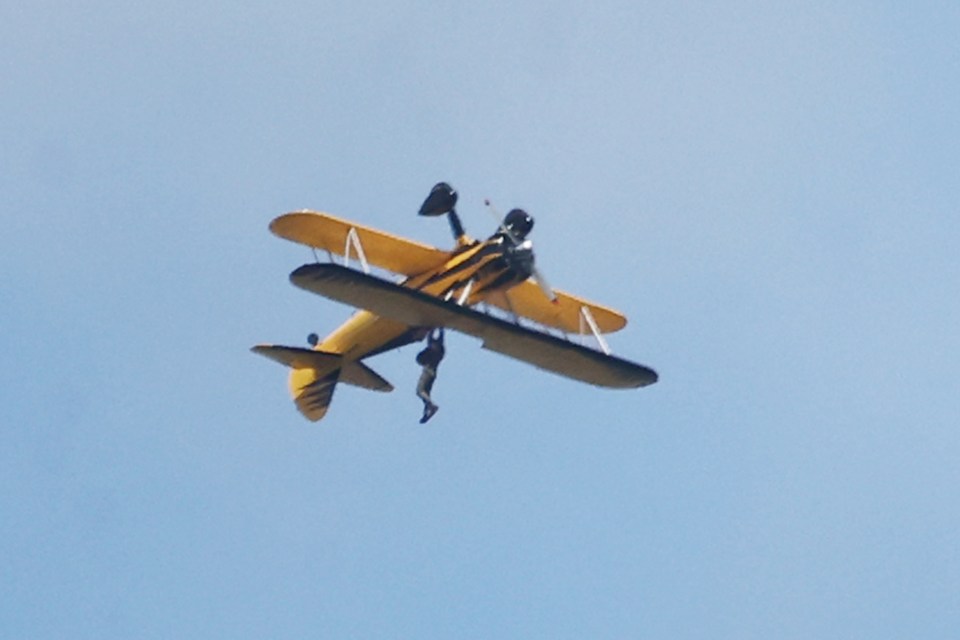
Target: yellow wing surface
{"points": [[566, 313], [385, 250], [408, 257]]}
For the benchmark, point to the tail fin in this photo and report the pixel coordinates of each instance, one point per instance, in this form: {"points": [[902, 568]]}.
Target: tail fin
{"points": [[316, 373], [312, 393]]}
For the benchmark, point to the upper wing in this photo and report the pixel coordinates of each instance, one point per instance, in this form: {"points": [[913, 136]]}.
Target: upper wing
{"points": [[418, 309], [527, 300], [327, 232]]}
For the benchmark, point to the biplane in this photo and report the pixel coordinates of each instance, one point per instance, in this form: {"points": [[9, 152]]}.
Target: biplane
{"points": [[488, 289]]}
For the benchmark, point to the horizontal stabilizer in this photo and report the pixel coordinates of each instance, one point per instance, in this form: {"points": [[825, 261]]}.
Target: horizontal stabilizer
{"points": [[360, 375], [354, 373], [298, 357]]}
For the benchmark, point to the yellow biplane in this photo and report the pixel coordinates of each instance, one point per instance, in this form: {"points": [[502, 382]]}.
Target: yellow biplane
{"points": [[454, 289]]}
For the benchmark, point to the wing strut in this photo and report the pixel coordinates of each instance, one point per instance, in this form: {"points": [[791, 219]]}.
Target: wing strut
{"points": [[466, 293], [586, 316], [353, 240]]}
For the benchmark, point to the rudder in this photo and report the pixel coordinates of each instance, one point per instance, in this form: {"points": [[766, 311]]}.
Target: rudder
{"points": [[312, 393]]}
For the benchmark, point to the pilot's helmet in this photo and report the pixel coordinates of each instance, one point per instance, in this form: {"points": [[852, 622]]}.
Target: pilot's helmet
{"points": [[519, 222]]}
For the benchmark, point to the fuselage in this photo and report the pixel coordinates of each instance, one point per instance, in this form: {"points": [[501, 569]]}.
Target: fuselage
{"points": [[473, 272]]}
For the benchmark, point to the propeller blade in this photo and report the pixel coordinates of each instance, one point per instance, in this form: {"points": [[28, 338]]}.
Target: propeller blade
{"points": [[544, 285]]}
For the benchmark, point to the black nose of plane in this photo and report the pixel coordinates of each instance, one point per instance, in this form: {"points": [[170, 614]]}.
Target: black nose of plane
{"points": [[519, 223]]}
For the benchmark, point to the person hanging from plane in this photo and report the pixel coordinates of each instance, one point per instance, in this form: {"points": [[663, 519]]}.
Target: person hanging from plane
{"points": [[429, 359]]}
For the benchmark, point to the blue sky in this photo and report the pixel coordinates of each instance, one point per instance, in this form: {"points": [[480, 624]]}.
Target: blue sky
{"points": [[769, 193]]}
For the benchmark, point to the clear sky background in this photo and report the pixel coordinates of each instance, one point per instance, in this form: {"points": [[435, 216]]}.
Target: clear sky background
{"points": [[768, 190]]}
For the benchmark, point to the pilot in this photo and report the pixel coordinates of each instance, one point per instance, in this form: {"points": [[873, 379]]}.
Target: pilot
{"points": [[429, 359]]}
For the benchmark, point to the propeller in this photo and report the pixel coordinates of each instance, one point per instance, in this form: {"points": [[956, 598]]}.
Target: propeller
{"points": [[537, 274]]}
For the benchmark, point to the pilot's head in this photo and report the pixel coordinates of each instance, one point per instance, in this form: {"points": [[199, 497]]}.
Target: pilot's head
{"points": [[519, 222]]}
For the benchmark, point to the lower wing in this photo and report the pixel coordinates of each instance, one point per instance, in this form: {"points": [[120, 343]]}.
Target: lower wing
{"points": [[418, 309]]}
